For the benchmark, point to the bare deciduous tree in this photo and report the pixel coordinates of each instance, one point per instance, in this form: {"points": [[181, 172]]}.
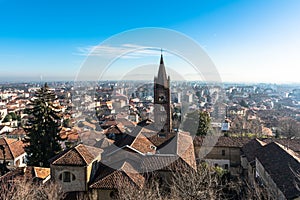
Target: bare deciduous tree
{"points": [[27, 190], [289, 127], [151, 191], [205, 183]]}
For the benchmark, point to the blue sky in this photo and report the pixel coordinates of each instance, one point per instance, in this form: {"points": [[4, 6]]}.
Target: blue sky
{"points": [[249, 41]]}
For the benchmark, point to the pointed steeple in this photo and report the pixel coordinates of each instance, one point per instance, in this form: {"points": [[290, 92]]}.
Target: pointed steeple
{"points": [[161, 57], [162, 75]]}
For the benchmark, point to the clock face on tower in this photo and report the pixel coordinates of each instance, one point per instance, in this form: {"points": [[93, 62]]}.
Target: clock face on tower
{"points": [[161, 98]]}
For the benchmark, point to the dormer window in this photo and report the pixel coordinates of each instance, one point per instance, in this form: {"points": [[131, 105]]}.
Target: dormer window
{"points": [[153, 147]]}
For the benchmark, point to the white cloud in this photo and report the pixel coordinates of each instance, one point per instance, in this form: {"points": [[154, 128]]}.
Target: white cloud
{"points": [[131, 51]]}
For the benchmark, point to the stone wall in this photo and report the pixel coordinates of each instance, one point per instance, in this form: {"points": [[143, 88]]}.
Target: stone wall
{"points": [[97, 194], [268, 181], [231, 154], [80, 173]]}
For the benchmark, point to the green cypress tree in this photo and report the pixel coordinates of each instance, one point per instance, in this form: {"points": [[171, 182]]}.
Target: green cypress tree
{"points": [[197, 122], [204, 123], [43, 128]]}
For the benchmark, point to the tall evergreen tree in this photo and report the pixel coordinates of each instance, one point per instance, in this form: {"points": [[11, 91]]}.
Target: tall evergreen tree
{"points": [[204, 123], [43, 128], [197, 122]]}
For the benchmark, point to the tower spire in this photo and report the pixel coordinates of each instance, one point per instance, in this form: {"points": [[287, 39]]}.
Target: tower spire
{"points": [[161, 57], [162, 75], [162, 97]]}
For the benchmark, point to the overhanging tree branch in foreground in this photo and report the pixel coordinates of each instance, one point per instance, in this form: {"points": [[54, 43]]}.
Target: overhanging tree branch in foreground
{"points": [[204, 183]]}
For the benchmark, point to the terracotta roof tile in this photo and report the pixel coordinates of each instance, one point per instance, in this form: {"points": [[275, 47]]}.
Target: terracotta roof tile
{"points": [[143, 144], [73, 137], [111, 178], [41, 172], [182, 146], [137, 140], [80, 155], [221, 141], [12, 147], [185, 149], [19, 131], [114, 129], [17, 148]]}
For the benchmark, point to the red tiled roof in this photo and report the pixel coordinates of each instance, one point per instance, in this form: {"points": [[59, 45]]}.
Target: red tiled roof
{"points": [[41, 172], [185, 149], [115, 129], [221, 141], [17, 148], [19, 131], [110, 178], [73, 137], [80, 155], [137, 140], [12, 147], [142, 144], [182, 146]]}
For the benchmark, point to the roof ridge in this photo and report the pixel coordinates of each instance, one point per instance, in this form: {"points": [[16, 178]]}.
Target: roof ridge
{"points": [[81, 154], [262, 143], [131, 168], [5, 140], [104, 177], [178, 141], [8, 146], [177, 144], [130, 172], [288, 151], [123, 165], [136, 136]]}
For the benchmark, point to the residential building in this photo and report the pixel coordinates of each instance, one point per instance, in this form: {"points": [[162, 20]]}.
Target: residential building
{"points": [[13, 152], [74, 167]]}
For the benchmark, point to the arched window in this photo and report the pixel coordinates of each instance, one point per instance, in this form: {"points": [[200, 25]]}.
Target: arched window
{"points": [[67, 177]]}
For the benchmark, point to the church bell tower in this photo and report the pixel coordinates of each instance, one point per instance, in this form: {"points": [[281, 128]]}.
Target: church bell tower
{"points": [[162, 100]]}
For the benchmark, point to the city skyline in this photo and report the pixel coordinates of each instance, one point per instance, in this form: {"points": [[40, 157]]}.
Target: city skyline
{"points": [[248, 41]]}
